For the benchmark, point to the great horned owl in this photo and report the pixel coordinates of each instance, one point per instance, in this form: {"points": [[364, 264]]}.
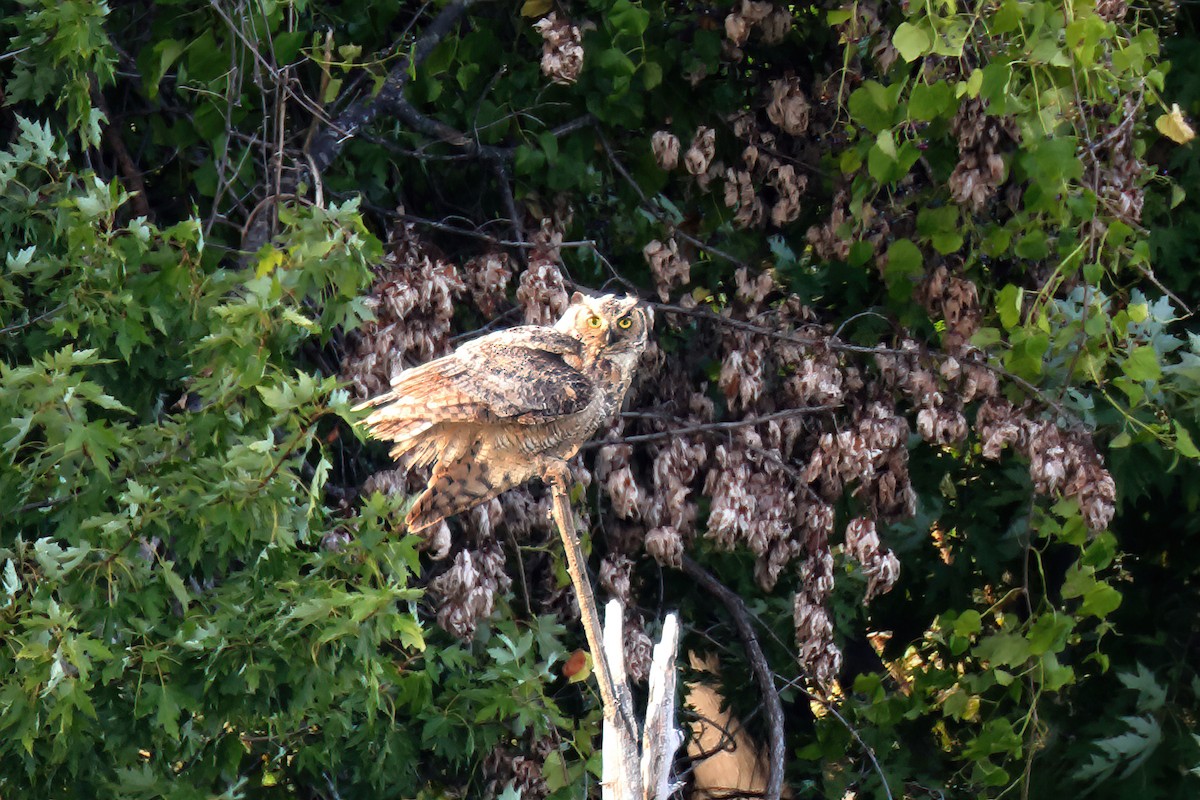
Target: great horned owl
{"points": [[511, 405]]}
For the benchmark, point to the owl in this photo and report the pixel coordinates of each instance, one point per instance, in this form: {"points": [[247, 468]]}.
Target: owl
{"points": [[511, 405]]}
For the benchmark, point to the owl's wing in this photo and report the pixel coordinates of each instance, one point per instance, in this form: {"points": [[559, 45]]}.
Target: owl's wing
{"points": [[517, 375], [522, 374]]}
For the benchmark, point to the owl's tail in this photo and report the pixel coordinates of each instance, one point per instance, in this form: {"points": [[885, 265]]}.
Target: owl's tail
{"points": [[460, 486]]}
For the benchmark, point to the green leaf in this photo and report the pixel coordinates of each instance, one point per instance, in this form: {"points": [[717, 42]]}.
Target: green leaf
{"points": [[652, 74], [904, 263], [1033, 246], [536, 8], [1142, 364], [968, 623], [910, 41], [1183, 442], [1100, 600], [1003, 649], [628, 18], [873, 106], [929, 101], [1008, 306], [175, 584]]}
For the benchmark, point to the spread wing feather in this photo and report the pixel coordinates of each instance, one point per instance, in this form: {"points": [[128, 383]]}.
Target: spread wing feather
{"points": [[521, 374]]}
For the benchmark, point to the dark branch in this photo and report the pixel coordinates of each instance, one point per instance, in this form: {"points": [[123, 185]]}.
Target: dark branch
{"points": [[22, 325], [758, 664], [328, 143], [709, 427], [485, 237]]}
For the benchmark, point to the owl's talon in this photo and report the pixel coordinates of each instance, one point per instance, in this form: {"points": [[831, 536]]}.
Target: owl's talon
{"points": [[555, 472]]}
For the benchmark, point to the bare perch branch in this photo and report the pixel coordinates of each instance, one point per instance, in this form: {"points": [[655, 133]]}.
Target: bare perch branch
{"points": [[564, 520], [22, 325], [758, 663]]}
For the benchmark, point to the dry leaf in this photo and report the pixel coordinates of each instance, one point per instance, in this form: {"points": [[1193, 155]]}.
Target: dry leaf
{"points": [[1173, 126]]}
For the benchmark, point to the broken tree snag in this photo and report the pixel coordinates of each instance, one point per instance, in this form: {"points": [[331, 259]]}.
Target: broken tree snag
{"points": [[632, 772], [660, 737], [621, 777]]}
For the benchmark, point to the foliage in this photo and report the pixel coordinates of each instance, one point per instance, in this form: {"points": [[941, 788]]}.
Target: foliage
{"points": [[195, 598]]}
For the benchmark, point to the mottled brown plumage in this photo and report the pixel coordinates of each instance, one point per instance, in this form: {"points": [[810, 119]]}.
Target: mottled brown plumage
{"points": [[508, 406]]}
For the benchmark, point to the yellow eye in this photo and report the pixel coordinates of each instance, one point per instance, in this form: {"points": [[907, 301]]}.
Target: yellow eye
{"points": [[593, 322], [624, 323]]}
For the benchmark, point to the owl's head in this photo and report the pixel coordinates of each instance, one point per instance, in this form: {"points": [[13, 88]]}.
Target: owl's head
{"points": [[606, 324]]}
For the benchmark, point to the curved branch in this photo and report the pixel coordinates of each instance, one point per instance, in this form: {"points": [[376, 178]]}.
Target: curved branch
{"points": [[758, 663], [328, 143]]}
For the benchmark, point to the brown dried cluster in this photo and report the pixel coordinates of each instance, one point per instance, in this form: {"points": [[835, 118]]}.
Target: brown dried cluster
{"points": [[772, 23], [865, 24], [789, 107], [541, 290], [700, 155], [669, 267], [879, 565], [982, 141], [954, 299], [413, 302], [487, 278], [518, 768], [466, 593], [1061, 463], [831, 240], [562, 50], [816, 649], [765, 179], [666, 149]]}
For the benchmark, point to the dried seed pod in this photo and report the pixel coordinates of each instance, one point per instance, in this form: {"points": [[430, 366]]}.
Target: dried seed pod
{"points": [[700, 154], [666, 149], [562, 50]]}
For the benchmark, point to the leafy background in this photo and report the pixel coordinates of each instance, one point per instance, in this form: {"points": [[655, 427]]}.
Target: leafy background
{"points": [[198, 599]]}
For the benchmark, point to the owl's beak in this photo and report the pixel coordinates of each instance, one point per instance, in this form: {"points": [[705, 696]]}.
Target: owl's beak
{"points": [[610, 335]]}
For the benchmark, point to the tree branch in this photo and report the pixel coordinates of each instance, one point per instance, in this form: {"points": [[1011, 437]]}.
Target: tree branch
{"points": [[708, 427], [329, 142], [758, 664], [484, 237]]}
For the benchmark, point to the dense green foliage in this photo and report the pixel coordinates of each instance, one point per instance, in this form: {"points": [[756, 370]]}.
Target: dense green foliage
{"points": [[195, 600]]}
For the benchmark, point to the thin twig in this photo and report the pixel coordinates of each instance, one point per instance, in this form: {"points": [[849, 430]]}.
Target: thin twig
{"points": [[329, 142], [708, 427], [116, 143], [503, 179], [485, 237], [22, 325], [1149, 275], [758, 665]]}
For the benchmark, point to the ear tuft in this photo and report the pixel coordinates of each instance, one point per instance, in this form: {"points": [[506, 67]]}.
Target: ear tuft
{"points": [[576, 298]]}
